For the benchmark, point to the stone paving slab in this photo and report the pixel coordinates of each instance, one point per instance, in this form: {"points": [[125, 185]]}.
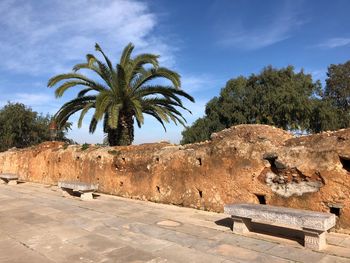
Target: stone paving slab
{"points": [[37, 224]]}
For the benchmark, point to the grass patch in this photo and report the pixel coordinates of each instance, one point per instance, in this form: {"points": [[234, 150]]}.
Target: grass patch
{"points": [[114, 152], [85, 146]]}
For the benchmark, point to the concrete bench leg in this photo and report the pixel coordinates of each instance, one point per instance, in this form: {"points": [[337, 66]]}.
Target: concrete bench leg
{"points": [[314, 239], [12, 182], [241, 225], [86, 196]]}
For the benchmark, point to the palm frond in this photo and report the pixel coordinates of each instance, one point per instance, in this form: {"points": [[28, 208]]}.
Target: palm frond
{"points": [[109, 63], [101, 69], [122, 88], [83, 112], [84, 91], [156, 116], [103, 100], [125, 57], [93, 124], [166, 91], [71, 107], [154, 73], [137, 106], [113, 115]]}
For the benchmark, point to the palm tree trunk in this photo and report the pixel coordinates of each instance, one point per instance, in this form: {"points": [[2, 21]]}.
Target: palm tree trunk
{"points": [[112, 137], [124, 133]]}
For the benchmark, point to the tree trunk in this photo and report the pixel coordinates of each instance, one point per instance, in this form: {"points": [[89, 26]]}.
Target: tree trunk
{"points": [[124, 133]]}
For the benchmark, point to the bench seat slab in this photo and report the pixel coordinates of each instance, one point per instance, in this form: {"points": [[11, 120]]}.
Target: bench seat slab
{"points": [[9, 176], [78, 186]]}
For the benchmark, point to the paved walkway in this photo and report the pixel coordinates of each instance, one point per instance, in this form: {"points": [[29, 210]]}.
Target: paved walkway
{"points": [[38, 224]]}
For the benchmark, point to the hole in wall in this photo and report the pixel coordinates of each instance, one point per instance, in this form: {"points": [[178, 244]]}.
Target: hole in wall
{"points": [[271, 158], [121, 183], [157, 159], [123, 159], [116, 166], [199, 161], [345, 161], [158, 189], [261, 199], [200, 193], [99, 157], [335, 210], [77, 158], [59, 159]]}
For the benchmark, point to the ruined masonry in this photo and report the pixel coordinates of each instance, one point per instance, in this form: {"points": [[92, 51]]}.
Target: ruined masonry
{"points": [[245, 163]]}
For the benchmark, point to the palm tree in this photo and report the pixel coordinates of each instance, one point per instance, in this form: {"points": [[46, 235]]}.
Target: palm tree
{"points": [[125, 94]]}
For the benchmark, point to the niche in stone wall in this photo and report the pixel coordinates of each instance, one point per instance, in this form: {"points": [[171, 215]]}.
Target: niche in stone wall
{"points": [[335, 209], [345, 161], [261, 199], [271, 158]]}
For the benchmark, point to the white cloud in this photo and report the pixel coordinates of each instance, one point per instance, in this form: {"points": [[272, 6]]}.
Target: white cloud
{"points": [[51, 36], [42, 102], [335, 42], [32, 99], [199, 83], [278, 27]]}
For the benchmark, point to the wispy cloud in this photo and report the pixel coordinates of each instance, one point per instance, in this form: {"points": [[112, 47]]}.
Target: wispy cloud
{"points": [[335, 42], [33, 99], [50, 36], [197, 83], [43, 102], [273, 28]]}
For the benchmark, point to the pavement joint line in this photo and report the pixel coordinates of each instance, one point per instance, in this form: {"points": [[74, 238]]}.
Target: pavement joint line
{"points": [[28, 247]]}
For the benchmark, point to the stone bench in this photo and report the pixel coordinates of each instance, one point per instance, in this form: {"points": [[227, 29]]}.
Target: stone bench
{"points": [[313, 224], [8, 178], [85, 189]]}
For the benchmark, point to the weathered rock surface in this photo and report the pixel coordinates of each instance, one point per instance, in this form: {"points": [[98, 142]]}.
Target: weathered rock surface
{"points": [[246, 163]]}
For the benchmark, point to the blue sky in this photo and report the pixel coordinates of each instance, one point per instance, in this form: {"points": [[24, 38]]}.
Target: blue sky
{"points": [[207, 42]]}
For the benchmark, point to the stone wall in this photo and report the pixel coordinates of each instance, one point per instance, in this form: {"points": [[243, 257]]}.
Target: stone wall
{"points": [[246, 163]]}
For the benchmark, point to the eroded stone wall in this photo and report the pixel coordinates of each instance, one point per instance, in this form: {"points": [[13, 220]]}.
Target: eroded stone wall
{"points": [[246, 163]]}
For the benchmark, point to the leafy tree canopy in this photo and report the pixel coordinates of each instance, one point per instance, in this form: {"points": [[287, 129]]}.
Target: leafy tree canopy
{"points": [[21, 127], [280, 97], [337, 91]]}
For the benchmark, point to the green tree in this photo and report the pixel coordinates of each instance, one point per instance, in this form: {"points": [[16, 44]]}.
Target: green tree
{"points": [[21, 127], [324, 116], [126, 94], [278, 97], [337, 91]]}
